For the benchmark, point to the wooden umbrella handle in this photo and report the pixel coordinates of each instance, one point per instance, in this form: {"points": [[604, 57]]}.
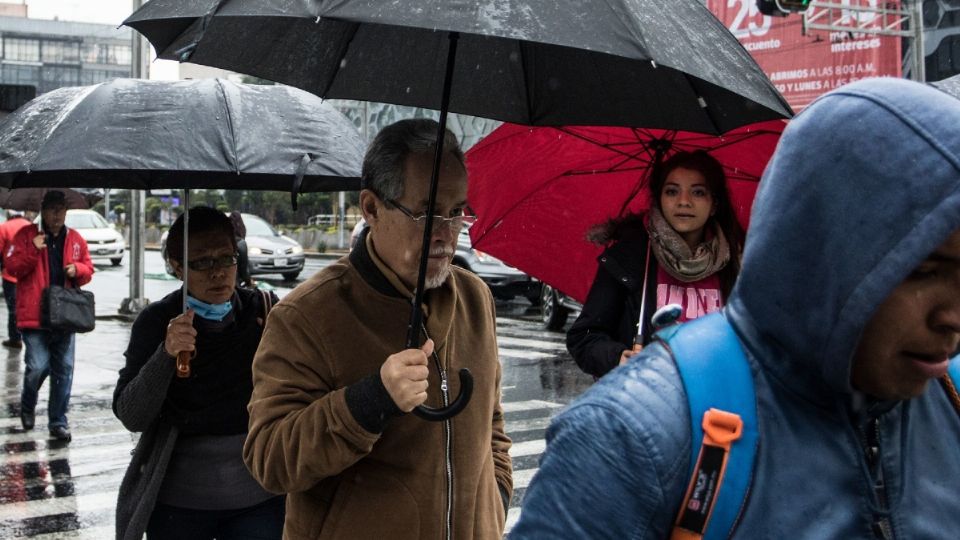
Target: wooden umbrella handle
{"points": [[183, 364]]}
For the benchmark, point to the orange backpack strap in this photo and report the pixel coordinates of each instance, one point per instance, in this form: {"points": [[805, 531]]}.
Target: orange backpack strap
{"points": [[720, 392], [950, 381]]}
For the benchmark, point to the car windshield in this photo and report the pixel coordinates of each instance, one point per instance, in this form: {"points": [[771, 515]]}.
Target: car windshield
{"points": [[256, 226], [85, 220]]}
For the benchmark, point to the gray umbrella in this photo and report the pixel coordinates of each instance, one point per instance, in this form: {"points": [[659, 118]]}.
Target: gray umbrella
{"points": [[649, 63], [205, 133]]}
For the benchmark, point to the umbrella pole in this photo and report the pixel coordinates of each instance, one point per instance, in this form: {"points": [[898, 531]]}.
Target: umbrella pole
{"points": [[416, 317], [183, 358]]}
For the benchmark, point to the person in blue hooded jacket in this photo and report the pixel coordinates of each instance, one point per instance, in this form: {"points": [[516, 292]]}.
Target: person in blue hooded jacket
{"points": [[847, 307]]}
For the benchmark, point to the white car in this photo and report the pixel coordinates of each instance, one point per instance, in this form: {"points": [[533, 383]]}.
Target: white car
{"points": [[103, 240]]}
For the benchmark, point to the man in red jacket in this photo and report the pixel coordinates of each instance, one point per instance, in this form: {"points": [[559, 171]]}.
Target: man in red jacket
{"points": [[55, 256], [9, 229]]}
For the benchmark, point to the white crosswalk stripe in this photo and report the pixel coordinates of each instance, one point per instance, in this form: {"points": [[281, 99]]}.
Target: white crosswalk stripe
{"points": [[49, 490]]}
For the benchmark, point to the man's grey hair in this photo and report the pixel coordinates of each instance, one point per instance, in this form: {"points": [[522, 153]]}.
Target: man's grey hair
{"points": [[383, 163]]}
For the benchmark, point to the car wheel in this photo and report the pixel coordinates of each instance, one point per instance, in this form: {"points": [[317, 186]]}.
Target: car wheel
{"points": [[290, 276], [116, 262], [554, 314]]}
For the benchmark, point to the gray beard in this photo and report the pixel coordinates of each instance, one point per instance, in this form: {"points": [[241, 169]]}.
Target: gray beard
{"points": [[433, 282]]}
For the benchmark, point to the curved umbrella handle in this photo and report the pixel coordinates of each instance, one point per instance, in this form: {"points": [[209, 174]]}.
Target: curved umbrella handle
{"points": [[183, 364], [446, 413]]}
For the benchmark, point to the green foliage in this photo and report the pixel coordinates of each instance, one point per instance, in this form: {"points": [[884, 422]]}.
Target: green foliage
{"points": [[322, 246]]}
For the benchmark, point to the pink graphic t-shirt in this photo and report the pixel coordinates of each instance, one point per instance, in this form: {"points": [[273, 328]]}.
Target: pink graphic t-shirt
{"points": [[697, 297]]}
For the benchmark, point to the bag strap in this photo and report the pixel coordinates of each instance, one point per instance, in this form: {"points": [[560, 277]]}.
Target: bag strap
{"points": [[723, 420], [267, 302], [951, 380]]}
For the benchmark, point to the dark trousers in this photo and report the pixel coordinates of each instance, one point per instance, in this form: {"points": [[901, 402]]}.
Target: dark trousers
{"points": [[49, 352], [260, 522], [10, 295]]}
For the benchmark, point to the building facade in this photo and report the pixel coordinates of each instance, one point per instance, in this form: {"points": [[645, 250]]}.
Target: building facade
{"points": [[51, 54]]}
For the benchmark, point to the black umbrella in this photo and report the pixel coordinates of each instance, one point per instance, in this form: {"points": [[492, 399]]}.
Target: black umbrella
{"points": [[651, 63], [206, 133], [30, 198], [950, 85], [197, 134]]}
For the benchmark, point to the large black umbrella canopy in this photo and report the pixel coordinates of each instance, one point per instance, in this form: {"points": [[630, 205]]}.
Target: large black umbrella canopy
{"points": [[204, 133], [653, 63]]}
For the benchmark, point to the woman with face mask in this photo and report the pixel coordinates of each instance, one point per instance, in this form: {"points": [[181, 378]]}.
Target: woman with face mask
{"points": [[685, 250], [187, 479]]}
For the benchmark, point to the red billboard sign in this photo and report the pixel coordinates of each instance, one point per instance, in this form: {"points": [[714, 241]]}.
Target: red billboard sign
{"points": [[804, 66]]}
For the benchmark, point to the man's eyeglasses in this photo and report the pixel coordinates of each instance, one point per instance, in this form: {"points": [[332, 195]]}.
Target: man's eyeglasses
{"points": [[209, 263], [465, 217]]}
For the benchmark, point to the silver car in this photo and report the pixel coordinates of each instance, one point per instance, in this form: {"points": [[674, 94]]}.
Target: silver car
{"points": [[271, 252], [505, 282]]}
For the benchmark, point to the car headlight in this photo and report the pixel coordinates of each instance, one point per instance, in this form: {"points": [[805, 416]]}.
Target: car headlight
{"points": [[297, 250], [483, 257], [254, 251]]}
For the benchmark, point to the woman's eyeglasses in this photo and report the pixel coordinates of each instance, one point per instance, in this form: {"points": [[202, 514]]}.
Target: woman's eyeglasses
{"points": [[466, 217], [209, 263]]}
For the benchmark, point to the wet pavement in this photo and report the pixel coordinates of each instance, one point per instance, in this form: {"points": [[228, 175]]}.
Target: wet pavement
{"points": [[50, 489]]}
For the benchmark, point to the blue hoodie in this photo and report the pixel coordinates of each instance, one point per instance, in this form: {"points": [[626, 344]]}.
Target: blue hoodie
{"points": [[864, 185]]}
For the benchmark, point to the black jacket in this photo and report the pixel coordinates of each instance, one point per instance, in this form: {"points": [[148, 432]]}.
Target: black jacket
{"points": [[610, 317]]}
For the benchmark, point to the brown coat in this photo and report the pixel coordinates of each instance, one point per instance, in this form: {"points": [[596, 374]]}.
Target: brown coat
{"points": [[343, 481]]}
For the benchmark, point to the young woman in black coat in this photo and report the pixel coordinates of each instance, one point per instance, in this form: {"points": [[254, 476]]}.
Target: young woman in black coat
{"points": [[685, 249]]}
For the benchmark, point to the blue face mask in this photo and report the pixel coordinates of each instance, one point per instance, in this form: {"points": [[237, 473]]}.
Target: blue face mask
{"points": [[211, 312]]}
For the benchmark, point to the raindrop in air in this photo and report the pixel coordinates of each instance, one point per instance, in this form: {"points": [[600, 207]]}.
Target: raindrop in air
{"points": [[343, 63]]}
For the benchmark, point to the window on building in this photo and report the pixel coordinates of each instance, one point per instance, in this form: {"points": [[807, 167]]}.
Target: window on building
{"points": [[124, 55], [53, 77], [22, 50], [16, 74], [95, 76], [61, 52], [105, 53]]}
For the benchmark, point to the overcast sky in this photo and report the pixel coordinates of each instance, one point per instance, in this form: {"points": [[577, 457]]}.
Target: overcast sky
{"points": [[98, 11]]}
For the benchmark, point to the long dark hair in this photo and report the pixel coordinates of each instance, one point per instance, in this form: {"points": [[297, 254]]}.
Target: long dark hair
{"points": [[725, 217]]}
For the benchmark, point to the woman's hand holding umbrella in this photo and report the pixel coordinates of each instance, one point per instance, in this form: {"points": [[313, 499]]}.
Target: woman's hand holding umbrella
{"points": [[181, 336]]}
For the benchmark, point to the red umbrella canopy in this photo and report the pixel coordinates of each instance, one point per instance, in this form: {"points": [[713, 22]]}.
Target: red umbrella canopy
{"points": [[537, 191]]}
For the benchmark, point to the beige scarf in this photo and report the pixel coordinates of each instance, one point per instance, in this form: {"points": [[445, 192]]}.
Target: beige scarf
{"points": [[675, 256]]}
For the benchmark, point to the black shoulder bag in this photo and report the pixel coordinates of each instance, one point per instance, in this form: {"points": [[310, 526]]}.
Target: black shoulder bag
{"points": [[67, 309]]}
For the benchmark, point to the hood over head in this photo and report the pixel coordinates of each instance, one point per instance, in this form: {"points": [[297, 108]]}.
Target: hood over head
{"points": [[863, 186]]}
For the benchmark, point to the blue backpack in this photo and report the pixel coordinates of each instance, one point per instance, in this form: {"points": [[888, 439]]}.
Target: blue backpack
{"points": [[722, 399]]}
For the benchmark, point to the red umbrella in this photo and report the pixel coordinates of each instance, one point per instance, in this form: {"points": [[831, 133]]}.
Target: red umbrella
{"points": [[537, 191]]}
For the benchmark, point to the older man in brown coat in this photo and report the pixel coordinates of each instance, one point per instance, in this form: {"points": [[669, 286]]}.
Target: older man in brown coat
{"points": [[331, 383]]}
